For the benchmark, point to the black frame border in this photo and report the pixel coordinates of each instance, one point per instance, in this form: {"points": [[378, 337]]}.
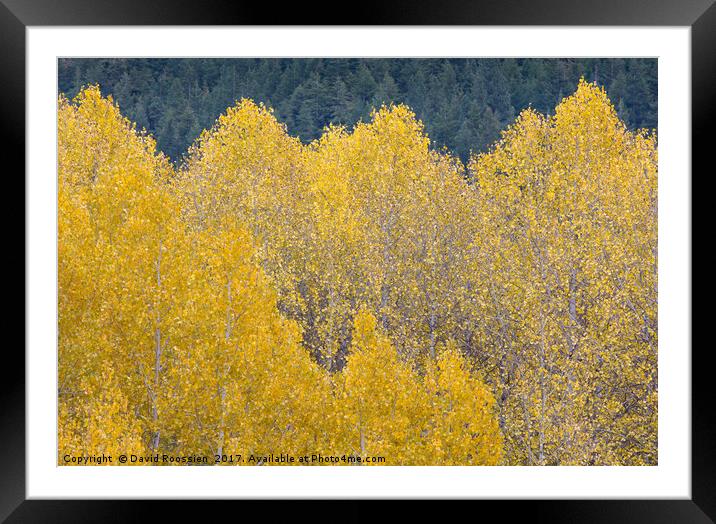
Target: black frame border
{"points": [[16, 15]]}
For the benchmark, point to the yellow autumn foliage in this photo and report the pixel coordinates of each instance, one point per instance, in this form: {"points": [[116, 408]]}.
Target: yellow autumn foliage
{"points": [[363, 295], [567, 209], [443, 416]]}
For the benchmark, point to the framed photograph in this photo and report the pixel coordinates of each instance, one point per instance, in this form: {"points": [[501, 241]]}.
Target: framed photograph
{"points": [[443, 252]]}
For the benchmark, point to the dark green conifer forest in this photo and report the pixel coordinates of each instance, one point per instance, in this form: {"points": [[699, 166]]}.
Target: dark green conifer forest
{"points": [[464, 103]]}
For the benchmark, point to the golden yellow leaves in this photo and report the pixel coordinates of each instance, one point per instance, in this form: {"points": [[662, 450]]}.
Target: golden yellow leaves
{"points": [[464, 426], [358, 295], [94, 418], [565, 196], [441, 416]]}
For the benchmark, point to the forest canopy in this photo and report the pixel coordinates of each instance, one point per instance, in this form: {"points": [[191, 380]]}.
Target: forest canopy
{"points": [[365, 294], [463, 102]]}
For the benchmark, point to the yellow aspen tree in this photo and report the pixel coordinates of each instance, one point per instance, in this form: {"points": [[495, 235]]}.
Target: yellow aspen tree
{"points": [[568, 222], [246, 167], [97, 420], [368, 216], [244, 384], [117, 279], [383, 406], [444, 416], [465, 429], [361, 294], [411, 208]]}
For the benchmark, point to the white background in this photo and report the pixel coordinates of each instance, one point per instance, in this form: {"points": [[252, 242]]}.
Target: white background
{"points": [[670, 479]]}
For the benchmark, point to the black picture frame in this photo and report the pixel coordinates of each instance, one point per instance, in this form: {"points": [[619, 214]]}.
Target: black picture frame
{"points": [[16, 15]]}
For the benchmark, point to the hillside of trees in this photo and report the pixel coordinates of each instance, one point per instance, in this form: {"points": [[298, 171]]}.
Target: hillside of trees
{"points": [[363, 295], [464, 103]]}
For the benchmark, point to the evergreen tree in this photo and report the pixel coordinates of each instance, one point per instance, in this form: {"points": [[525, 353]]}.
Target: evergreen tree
{"points": [[175, 98]]}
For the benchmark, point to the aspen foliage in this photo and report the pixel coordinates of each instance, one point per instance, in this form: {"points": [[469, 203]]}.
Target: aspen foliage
{"points": [[355, 217], [567, 209], [117, 279], [241, 374], [362, 295], [464, 427], [97, 419], [380, 398], [182, 316], [442, 416]]}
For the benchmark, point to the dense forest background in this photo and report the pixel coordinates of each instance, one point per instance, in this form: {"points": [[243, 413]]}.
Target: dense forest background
{"points": [[464, 103]]}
